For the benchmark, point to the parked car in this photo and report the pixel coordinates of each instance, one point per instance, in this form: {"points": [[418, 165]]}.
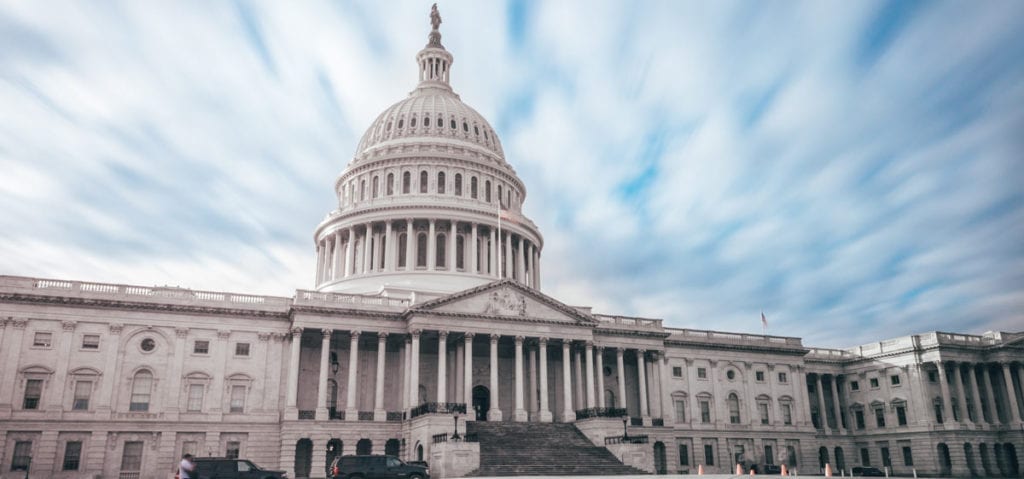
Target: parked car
{"points": [[224, 468], [867, 472], [376, 467]]}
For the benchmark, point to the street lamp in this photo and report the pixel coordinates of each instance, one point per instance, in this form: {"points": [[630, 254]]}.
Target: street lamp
{"points": [[455, 435], [625, 435]]}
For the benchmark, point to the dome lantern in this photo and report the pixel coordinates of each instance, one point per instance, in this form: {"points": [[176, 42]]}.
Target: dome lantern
{"points": [[434, 61]]}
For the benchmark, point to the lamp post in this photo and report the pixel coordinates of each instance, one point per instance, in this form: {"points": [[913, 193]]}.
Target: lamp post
{"points": [[455, 435], [625, 435]]}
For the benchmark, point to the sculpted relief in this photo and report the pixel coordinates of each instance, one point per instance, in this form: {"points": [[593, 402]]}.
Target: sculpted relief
{"points": [[506, 303]]}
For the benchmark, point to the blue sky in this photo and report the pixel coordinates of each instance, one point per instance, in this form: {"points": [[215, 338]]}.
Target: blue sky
{"points": [[853, 169]]}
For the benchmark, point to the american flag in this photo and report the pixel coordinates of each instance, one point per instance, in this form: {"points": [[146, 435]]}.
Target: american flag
{"points": [[764, 321]]}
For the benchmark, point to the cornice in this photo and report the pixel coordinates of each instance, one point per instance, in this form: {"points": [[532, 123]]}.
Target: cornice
{"points": [[738, 347], [631, 333], [531, 228], [369, 313], [507, 319], [138, 306], [418, 160]]}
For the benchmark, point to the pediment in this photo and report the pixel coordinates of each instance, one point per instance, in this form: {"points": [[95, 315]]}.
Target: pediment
{"points": [[506, 299]]}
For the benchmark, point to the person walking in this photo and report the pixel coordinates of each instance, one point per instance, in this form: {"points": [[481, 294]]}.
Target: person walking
{"points": [[187, 468]]}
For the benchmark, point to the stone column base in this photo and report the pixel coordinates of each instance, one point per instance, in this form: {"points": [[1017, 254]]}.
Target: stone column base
{"points": [[379, 415], [322, 414], [520, 415], [568, 416], [351, 414], [647, 421], [544, 416], [291, 414], [493, 415]]}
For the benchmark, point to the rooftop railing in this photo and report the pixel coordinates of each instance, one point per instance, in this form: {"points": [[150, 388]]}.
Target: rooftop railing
{"points": [[627, 322], [735, 338], [305, 297]]}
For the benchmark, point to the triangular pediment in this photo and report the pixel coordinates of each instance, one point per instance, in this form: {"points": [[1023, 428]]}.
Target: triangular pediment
{"points": [[506, 299]]}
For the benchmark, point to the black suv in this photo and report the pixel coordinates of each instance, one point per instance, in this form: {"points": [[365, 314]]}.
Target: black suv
{"points": [[224, 468], [867, 471], [376, 467]]}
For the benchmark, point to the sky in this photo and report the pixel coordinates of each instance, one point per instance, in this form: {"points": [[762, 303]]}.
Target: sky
{"points": [[852, 169]]}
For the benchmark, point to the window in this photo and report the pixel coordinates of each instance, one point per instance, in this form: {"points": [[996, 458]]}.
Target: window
{"points": [[33, 391], [83, 389], [759, 376], [938, 412], [72, 455], [734, 408], [131, 459], [933, 376], [376, 186], [886, 460], [769, 454], [499, 196], [423, 181], [762, 408], [894, 379], [705, 412], [709, 455], [908, 456], [880, 417], [465, 127], [426, 121], [453, 123], [22, 456], [787, 414], [147, 344], [684, 455], [487, 191], [406, 181], [201, 347], [458, 184], [901, 415], [677, 372], [91, 341], [142, 385], [402, 239], [237, 398], [241, 349], [195, 398], [472, 187], [782, 378], [865, 456], [362, 190], [440, 246], [702, 373], [421, 250], [680, 410], [440, 183], [412, 122], [401, 122], [854, 386], [231, 452], [873, 382], [858, 417], [42, 340]]}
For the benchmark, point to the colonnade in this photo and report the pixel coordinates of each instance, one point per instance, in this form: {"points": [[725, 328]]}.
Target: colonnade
{"points": [[969, 380], [436, 245]]}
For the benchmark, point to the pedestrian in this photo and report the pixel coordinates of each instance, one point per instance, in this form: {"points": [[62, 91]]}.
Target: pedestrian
{"points": [[187, 468]]}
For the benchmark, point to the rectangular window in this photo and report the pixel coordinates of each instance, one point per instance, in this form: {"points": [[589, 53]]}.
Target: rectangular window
{"points": [[787, 414], [894, 379], [782, 378], [865, 457], [195, 398], [22, 456], [938, 413], [854, 386], [231, 451], [677, 372], [131, 458], [83, 389], [33, 391], [763, 409], [684, 455], [72, 455], [201, 347], [709, 455], [705, 412], [886, 460], [241, 349], [858, 415], [769, 455], [759, 376], [702, 373], [91, 341], [933, 376], [791, 455], [880, 417], [908, 457], [874, 383], [237, 398], [42, 340], [680, 410], [901, 415]]}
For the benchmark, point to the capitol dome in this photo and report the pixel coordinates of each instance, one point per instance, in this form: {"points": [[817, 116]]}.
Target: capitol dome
{"points": [[428, 205]]}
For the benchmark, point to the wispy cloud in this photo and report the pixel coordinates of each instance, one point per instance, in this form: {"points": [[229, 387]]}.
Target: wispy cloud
{"points": [[854, 170]]}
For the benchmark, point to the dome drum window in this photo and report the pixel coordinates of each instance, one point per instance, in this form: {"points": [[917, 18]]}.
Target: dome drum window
{"points": [[426, 121], [401, 123], [453, 124], [412, 122], [147, 345]]}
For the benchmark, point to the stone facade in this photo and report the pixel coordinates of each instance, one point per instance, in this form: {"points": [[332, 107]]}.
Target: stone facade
{"points": [[428, 301]]}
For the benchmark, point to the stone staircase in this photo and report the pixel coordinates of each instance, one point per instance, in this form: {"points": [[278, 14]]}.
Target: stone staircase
{"points": [[541, 449]]}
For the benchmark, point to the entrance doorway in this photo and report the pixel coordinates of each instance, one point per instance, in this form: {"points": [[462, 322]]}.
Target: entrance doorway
{"points": [[481, 402], [660, 464]]}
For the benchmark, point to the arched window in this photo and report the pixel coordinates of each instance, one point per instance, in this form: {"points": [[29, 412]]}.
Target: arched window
{"points": [[734, 408], [391, 184], [426, 121], [453, 123], [458, 184], [402, 241], [423, 181], [352, 192], [460, 252], [472, 187], [142, 389], [499, 196], [440, 248], [406, 182], [376, 186], [487, 191], [362, 190], [440, 182], [421, 250], [412, 122], [364, 447], [401, 122]]}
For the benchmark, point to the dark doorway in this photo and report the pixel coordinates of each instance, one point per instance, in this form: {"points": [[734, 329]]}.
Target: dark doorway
{"points": [[1012, 465], [333, 451], [945, 462], [969, 454], [392, 447], [822, 457], [364, 447], [481, 402], [660, 465], [419, 452], [840, 459], [303, 457]]}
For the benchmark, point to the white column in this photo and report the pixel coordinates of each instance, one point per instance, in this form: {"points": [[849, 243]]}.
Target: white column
{"points": [[590, 374], [545, 411], [366, 248], [410, 244], [442, 366], [508, 254], [351, 408], [961, 395], [519, 415], [467, 370], [414, 367], [455, 387], [293, 369], [990, 395], [453, 248], [492, 251], [599, 352], [568, 414], [379, 414], [536, 267], [336, 271], [529, 265], [641, 367], [531, 392], [321, 389], [389, 247], [350, 251], [494, 413], [475, 252], [972, 378], [375, 262], [621, 372], [319, 262], [947, 402], [1010, 393], [822, 413], [521, 262], [432, 246], [836, 410], [406, 372], [581, 398]]}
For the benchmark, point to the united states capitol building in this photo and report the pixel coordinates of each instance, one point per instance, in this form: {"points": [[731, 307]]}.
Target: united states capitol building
{"points": [[428, 305]]}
